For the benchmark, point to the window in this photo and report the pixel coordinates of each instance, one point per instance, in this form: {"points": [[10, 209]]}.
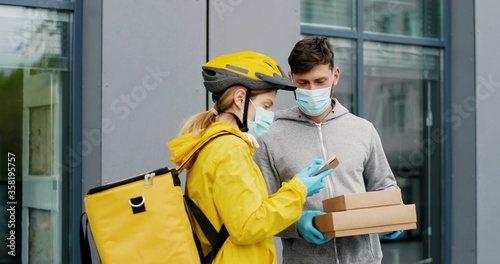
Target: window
{"points": [[35, 76], [335, 14], [404, 17]]}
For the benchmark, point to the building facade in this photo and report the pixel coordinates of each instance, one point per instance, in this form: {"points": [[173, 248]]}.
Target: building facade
{"points": [[92, 91]]}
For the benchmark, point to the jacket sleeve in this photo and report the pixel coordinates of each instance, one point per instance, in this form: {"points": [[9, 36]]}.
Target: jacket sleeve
{"points": [[378, 174], [240, 196]]}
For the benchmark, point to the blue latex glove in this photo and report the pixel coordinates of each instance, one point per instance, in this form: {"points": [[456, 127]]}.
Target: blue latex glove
{"points": [[306, 228], [393, 235], [313, 183]]}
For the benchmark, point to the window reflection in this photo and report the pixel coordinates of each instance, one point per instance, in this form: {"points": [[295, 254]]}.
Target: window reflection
{"points": [[403, 17], [336, 14], [345, 59], [401, 83], [396, 78]]}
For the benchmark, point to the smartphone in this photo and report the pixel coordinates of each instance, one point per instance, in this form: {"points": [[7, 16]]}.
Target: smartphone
{"points": [[332, 163]]}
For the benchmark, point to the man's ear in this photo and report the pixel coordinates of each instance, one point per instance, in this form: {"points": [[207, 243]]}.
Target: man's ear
{"points": [[239, 98], [336, 74]]}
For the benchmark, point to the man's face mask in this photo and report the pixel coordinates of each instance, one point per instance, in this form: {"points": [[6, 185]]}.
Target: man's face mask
{"points": [[313, 102], [262, 123]]}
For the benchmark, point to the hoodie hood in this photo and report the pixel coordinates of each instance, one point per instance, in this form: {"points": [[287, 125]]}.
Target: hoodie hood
{"points": [[185, 147], [295, 114]]}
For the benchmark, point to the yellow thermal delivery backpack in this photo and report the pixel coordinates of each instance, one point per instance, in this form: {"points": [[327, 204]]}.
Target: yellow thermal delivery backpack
{"points": [[144, 219]]}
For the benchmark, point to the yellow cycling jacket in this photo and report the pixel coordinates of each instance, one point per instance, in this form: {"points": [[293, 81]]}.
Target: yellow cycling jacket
{"points": [[229, 188]]}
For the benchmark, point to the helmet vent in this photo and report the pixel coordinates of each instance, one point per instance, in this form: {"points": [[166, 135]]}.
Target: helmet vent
{"points": [[209, 72], [232, 67]]}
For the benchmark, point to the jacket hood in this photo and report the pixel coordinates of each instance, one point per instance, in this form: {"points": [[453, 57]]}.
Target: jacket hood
{"points": [[186, 146], [295, 114]]}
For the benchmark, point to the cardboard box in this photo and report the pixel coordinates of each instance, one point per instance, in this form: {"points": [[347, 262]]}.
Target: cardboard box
{"points": [[370, 230], [367, 221], [362, 200]]}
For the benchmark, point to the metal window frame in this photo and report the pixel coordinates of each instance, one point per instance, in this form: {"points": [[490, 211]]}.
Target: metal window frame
{"points": [[360, 37], [72, 129], [49, 4]]}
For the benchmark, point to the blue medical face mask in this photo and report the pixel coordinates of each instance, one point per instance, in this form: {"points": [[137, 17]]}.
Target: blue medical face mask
{"points": [[262, 123], [313, 102]]}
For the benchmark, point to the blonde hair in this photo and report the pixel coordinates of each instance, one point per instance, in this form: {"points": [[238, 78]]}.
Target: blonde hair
{"points": [[197, 123]]}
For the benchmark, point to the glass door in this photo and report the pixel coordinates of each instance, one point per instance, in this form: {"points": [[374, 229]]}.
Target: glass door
{"points": [[35, 77]]}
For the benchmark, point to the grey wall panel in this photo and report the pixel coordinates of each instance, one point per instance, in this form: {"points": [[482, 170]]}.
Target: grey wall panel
{"points": [[91, 100], [269, 27], [488, 129], [91, 95], [463, 135], [151, 57]]}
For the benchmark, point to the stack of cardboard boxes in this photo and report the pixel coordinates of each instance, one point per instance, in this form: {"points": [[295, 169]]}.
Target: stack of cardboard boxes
{"points": [[366, 213]]}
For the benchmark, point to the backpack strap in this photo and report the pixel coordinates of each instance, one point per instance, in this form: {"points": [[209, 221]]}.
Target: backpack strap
{"points": [[84, 240], [215, 238]]}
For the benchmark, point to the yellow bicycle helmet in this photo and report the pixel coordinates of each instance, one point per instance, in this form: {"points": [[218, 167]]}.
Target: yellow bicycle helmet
{"points": [[250, 69], [247, 68]]}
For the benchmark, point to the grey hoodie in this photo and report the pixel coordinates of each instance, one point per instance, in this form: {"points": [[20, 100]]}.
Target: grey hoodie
{"points": [[293, 142]]}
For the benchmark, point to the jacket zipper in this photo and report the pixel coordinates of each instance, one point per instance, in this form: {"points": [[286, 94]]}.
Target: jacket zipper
{"points": [[325, 157], [330, 183]]}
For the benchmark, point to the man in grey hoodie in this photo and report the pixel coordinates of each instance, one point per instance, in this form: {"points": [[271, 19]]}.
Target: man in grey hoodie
{"points": [[320, 127]]}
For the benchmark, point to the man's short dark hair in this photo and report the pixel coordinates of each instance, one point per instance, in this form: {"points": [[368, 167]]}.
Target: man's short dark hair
{"points": [[310, 52]]}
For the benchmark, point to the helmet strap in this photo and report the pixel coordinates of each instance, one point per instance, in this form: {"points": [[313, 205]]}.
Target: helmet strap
{"points": [[237, 119], [241, 125], [244, 126]]}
